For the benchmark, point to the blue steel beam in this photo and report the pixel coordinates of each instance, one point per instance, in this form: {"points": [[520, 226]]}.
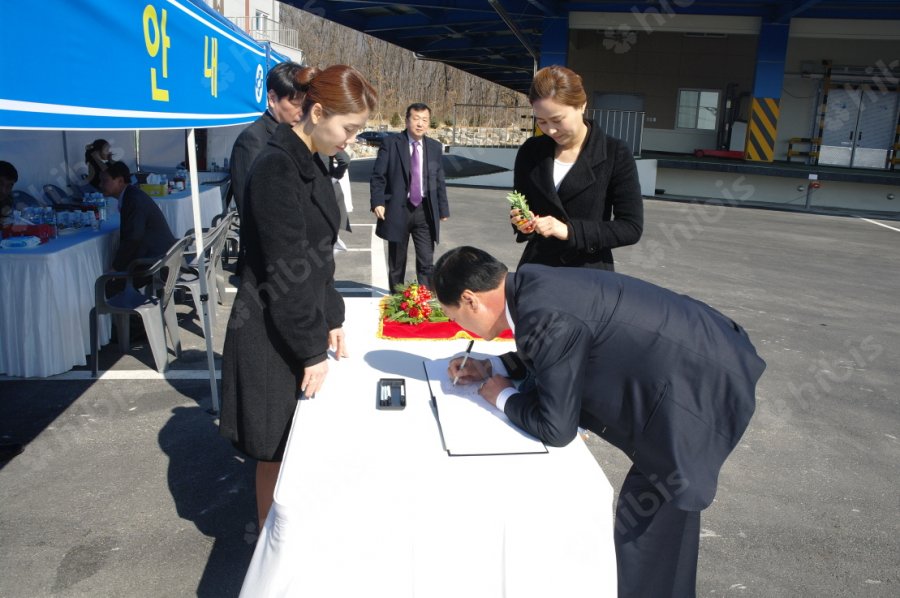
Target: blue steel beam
{"points": [[876, 14], [516, 53], [669, 7], [474, 30], [477, 54], [548, 7], [513, 26], [467, 43], [495, 31], [484, 65], [459, 28], [417, 21], [476, 6], [771, 50], [554, 47], [794, 9], [765, 8]]}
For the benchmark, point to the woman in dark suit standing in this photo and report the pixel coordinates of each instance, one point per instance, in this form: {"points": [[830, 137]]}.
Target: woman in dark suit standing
{"points": [[287, 313], [581, 185]]}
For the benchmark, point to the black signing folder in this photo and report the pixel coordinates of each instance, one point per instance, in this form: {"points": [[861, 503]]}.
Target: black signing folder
{"points": [[469, 425]]}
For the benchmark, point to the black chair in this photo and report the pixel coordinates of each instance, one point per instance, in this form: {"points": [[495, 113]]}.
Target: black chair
{"points": [[189, 279], [153, 304], [55, 195], [233, 236]]}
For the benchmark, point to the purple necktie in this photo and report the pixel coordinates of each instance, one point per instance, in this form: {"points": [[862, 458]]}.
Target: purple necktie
{"points": [[415, 183]]}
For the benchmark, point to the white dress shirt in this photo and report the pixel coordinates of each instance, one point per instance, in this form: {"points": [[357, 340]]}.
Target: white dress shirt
{"points": [[497, 367]]}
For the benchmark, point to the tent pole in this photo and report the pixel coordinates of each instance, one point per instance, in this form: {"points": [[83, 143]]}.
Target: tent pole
{"points": [[203, 304], [69, 182], [137, 149]]}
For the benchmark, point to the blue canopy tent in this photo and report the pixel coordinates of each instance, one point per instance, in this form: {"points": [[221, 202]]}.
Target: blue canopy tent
{"points": [[132, 64]]}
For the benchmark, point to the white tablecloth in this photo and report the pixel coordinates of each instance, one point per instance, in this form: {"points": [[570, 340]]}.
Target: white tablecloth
{"points": [[46, 294], [369, 504], [213, 176], [176, 207]]}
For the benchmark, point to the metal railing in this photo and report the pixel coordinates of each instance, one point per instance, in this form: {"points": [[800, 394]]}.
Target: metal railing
{"points": [[626, 125], [509, 126], [268, 30], [483, 125]]}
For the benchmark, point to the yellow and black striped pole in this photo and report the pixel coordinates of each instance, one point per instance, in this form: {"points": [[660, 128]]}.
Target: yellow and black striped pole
{"points": [[762, 130], [768, 82]]}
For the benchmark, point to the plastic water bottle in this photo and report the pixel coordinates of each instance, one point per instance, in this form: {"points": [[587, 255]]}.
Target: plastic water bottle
{"points": [[50, 219]]}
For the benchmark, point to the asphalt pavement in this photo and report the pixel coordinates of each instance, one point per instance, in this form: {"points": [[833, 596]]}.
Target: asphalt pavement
{"points": [[125, 488]]}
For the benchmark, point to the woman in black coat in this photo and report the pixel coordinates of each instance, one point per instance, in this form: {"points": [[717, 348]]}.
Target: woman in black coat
{"points": [[581, 185], [287, 313]]}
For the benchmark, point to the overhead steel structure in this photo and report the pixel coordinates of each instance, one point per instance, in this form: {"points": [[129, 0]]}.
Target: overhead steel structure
{"points": [[503, 40]]}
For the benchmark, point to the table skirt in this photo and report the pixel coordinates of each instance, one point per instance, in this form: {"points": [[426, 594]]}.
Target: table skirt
{"points": [[46, 295]]}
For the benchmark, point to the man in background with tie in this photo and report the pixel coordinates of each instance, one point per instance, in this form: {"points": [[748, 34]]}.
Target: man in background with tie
{"points": [[409, 196]]}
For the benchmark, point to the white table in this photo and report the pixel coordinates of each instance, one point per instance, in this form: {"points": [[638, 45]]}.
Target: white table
{"points": [[213, 176], [46, 294], [369, 504], [176, 207]]}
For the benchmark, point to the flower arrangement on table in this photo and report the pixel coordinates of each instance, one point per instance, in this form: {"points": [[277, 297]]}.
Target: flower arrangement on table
{"points": [[413, 313], [413, 304]]}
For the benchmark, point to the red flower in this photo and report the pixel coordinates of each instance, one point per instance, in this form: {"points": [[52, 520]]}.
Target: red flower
{"points": [[404, 305], [406, 293], [414, 313]]}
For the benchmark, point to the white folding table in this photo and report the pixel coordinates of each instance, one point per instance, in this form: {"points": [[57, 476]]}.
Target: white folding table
{"points": [[176, 207], [46, 294], [369, 504]]}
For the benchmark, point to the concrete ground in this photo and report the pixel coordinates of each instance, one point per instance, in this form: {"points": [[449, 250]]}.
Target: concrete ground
{"points": [[125, 488]]}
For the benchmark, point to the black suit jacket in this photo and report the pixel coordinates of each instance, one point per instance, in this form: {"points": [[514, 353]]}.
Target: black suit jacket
{"points": [[246, 148], [144, 232], [665, 378], [599, 199], [337, 168], [389, 187], [287, 302]]}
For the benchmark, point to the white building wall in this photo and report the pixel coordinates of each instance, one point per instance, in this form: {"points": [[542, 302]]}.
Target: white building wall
{"points": [[243, 8], [652, 53]]}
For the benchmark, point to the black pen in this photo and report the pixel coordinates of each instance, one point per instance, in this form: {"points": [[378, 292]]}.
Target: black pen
{"points": [[463, 364]]}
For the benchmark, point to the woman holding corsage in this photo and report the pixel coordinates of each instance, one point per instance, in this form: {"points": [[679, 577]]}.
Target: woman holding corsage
{"points": [[581, 185]]}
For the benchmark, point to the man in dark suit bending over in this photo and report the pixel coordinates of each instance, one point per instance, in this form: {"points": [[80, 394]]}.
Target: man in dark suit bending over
{"points": [[665, 378], [144, 232], [409, 196]]}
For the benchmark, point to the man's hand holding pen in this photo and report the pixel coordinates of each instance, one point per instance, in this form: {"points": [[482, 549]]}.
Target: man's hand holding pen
{"points": [[479, 371], [468, 371]]}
